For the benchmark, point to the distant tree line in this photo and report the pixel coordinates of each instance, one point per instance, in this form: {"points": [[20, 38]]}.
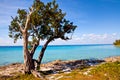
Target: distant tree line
{"points": [[117, 42]]}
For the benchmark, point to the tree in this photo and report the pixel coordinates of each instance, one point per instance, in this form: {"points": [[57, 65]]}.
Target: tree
{"points": [[40, 22], [117, 43]]}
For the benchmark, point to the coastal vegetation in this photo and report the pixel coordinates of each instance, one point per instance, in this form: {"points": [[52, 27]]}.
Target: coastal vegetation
{"points": [[106, 71], [41, 22], [117, 43], [102, 71]]}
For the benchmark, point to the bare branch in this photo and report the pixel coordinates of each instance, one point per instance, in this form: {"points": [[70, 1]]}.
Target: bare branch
{"points": [[28, 19], [20, 26]]}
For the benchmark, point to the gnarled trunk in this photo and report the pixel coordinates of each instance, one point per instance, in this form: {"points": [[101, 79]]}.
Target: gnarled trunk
{"points": [[28, 62]]}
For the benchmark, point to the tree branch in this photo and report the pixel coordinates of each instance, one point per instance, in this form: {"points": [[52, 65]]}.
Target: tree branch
{"points": [[20, 26], [34, 47], [43, 50], [28, 19]]}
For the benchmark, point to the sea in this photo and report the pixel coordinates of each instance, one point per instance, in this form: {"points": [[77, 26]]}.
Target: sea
{"points": [[14, 54]]}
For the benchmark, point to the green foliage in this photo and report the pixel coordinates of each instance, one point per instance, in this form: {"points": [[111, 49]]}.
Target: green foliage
{"points": [[46, 21], [22, 15], [117, 42], [14, 30]]}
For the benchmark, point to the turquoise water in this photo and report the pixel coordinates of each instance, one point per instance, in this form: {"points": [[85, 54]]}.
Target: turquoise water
{"points": [[12, 54]]}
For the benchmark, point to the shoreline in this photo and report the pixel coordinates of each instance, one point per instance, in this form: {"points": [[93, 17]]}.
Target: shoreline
{"points": [[111, 58], [57, 65], [62, 53], [107, 59]]}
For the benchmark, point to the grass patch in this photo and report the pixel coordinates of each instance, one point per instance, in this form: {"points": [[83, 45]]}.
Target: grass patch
{"points": [[24, 77], [20, 77], [106, 71]]}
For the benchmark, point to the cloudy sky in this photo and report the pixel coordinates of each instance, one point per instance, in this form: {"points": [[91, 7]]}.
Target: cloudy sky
{"points": [[98, 21]]}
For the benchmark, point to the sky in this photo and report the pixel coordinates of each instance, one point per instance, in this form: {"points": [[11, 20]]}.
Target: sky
{"points": [[98, 21]]}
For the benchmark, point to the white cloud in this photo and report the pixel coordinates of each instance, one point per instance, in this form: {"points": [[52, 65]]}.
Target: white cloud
{"points": [[98, 38], [77, 39], [90, 39], [9, 42]]}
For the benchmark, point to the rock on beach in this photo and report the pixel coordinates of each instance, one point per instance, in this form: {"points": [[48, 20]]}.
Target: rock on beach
{"points": [[112, 59]]}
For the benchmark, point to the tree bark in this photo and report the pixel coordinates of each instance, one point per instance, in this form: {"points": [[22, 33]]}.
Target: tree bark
{"points": [[28, 62], [38, 74], [42, 51]]}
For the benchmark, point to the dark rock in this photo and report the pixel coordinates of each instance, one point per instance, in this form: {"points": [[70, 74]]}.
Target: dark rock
{"points": [[67, 66]]}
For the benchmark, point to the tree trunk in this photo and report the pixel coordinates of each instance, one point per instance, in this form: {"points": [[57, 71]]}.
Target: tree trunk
{"points": [[42, 52], [28, 62]]}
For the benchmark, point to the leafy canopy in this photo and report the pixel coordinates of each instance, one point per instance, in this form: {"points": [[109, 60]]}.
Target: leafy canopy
{"points": [[46, 21]]}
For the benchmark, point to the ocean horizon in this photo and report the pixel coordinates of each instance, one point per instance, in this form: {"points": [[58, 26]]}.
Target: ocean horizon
{"points": [[14, 54]]}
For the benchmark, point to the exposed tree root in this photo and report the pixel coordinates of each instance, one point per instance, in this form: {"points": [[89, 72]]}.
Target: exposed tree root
{"points": [[38, 74]]}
